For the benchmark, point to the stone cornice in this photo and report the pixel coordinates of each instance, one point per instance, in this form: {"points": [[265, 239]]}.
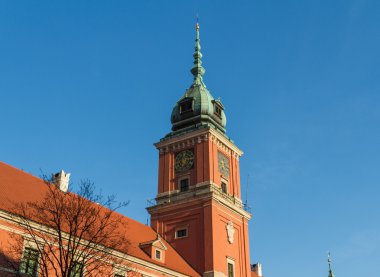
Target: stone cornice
{"points": [[200, 192], [190, 139]]}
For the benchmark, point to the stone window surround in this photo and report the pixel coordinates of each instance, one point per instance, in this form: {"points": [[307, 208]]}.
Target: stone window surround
{"points": [[159, 252], [230, 260], [226, 181], [179, 228], [32, 246], [183, 177], [119, 270], [80, 264]]}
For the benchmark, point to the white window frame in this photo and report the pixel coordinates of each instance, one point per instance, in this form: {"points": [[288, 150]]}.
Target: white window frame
{"points": [[31, 247], [119, 273], [28, 243], [155, 254], [230, 260], [180, 229], [120, 270], [80, 261]]}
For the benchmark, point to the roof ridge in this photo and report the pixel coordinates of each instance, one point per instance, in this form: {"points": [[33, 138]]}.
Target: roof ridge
{"points": [[20, 170]]}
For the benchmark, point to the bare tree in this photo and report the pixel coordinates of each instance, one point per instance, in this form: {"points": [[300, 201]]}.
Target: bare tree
{"points": [[70, 233]]}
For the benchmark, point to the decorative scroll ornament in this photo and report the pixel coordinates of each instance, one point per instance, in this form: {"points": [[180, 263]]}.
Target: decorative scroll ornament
{"points": [[230, 232]]}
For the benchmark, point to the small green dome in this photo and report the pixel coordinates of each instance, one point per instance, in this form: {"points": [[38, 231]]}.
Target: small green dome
{"points": [[197, 108]]}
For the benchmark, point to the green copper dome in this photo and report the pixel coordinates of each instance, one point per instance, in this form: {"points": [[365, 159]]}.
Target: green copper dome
{"points": [[197, 108]]}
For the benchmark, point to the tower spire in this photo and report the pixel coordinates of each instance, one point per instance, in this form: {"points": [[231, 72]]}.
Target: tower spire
{"points": [[197, 69], [331, 274]]}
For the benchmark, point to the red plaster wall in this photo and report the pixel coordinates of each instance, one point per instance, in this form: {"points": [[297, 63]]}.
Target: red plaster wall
{"points": [[238, 250], [190, 247], [205, 169]]}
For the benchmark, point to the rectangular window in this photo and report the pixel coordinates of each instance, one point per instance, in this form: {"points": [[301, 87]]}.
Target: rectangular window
{"points": [[181, 233], [29, 262], [77, 270], [158, 254], [184, 185], [224, 187], [230, 270]]}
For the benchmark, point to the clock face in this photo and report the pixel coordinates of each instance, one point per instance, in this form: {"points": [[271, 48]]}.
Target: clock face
{"points": [[223, 164], [184, 161]]}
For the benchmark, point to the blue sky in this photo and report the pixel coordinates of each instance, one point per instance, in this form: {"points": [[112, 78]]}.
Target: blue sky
{"points": [[88, 86]]}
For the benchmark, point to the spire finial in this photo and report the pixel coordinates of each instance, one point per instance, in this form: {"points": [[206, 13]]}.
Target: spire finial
{"points": [[331, 274], [197, 69]]}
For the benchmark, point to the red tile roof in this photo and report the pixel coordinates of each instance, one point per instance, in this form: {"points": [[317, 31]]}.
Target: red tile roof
{"points": [[17, 185]]}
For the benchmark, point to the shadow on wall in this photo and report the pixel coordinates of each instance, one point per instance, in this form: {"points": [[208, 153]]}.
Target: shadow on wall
{"points": [[8, 265]]}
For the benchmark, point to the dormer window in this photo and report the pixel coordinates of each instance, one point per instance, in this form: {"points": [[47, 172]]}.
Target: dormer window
{"points": [[155, 249], [218, 111], [186, 105], [218, 108]]}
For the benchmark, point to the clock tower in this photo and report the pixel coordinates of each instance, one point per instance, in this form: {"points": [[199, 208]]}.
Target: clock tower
{"points": [[198, 207]]}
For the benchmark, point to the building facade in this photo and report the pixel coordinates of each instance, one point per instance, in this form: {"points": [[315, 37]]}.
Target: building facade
{"points": [[199, 224]]}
